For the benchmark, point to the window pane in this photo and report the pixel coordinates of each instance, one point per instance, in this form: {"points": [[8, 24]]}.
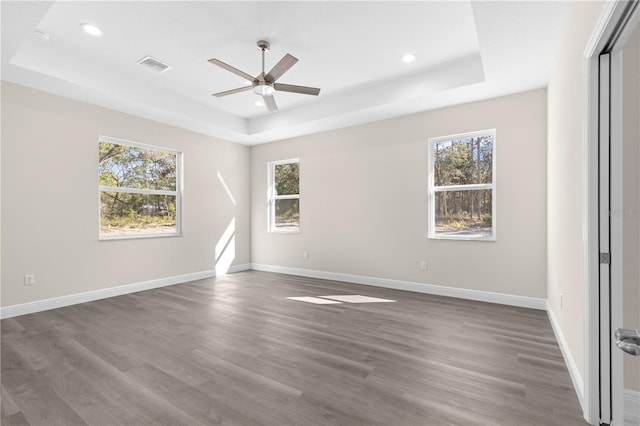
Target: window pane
{"points": [[463, 161], [463, 213], [136, 214], [287, 179], [287, 215], [483, 170], [132, 167]]}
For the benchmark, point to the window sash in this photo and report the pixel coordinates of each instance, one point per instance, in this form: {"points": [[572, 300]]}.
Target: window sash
{"points": [[140, 145], [285, 197], [177, 193], [137, 191], [273, 197], [470, 187], [488, 132], [432, 189]]}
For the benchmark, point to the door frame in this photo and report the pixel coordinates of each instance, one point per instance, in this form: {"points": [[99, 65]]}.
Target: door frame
{"points": [[597, 389]]}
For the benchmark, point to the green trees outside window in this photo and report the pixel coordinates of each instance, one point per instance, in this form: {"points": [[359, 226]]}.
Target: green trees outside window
{"points": [[284, 200], [462, 186], [138, 189]]}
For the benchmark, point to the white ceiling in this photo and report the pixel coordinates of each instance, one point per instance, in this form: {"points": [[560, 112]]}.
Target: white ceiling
{"points": [[465, 51]]}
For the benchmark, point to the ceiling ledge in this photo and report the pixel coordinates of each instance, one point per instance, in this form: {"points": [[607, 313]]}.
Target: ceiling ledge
{"points": [[113, 87], [80, 78], [352, 106]]}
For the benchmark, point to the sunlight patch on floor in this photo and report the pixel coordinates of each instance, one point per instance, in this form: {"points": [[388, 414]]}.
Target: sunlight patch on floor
{"points": [[314, 300], [347, 298]]}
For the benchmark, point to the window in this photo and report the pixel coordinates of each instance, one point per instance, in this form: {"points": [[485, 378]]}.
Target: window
{"points": [[284, 196], [462, 186], [139, 189]]}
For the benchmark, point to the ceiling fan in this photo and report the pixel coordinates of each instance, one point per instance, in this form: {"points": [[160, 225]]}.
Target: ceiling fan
{"points": [[265, 84]]}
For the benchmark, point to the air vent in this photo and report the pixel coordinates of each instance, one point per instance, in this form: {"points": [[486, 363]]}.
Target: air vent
{"points": [[153, 64]]}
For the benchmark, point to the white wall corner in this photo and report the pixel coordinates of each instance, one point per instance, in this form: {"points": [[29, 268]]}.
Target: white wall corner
{"points": [[90, 296], [574, 373], [461, 293]]}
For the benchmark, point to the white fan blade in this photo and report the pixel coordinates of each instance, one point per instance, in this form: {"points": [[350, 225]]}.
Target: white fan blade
{"points": [[228, 67], [303, 90], [280, 68], [232, 91], [270, 102]]}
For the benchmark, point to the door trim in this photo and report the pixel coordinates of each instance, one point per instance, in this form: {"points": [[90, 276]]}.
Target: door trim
{"points": [[604, 234], [612, 19]]}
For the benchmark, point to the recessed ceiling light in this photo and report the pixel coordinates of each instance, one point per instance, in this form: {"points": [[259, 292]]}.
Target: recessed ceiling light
{"points": [[409, 57], [258, 103], [91, 29]]}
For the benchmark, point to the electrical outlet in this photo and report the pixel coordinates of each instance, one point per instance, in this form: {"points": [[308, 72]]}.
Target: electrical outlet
{"points": [[306, 254], [423, 265], [29, 279]]}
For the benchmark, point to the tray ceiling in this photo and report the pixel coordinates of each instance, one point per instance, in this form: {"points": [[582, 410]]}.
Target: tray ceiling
{"points": [[353, 51]]}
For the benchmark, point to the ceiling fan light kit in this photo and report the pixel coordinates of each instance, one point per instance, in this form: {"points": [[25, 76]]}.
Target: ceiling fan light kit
{"points": [[264, 89], [265, 84]]}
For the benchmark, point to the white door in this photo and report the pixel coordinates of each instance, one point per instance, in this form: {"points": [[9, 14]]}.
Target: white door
{"points": [[623, 192]]}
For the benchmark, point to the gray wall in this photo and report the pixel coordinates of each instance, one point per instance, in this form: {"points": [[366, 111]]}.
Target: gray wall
{"points": [[631, 194], [364, 200], [566, 192], [50, 199]]}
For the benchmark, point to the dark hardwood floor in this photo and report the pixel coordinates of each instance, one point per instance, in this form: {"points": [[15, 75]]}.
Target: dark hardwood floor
{"points": [[234, 350]]}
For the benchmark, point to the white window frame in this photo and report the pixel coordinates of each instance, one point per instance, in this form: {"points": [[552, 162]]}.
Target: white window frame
{"points": [[272, 197], [433, 189], [177, 193]]}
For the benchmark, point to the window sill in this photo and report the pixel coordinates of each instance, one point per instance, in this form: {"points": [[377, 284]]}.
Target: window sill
{"points": [[461, 238], [137, 237], [284, 232]]}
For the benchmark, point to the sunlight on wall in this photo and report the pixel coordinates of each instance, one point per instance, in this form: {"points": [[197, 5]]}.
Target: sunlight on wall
{"points": [[226, 188], [226, 249]]}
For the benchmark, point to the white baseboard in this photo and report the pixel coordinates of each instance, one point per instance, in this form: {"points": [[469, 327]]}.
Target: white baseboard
{"points": [[631, 407], [483, 296], [239, 268], [574, 373], [89, 296], [72, 299]]}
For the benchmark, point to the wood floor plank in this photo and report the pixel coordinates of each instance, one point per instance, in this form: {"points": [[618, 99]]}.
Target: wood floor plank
{"points": [[178, 393], [237, 374], [7, 407], [39, 403], [80, 394], [232, 350], [16, 419]]}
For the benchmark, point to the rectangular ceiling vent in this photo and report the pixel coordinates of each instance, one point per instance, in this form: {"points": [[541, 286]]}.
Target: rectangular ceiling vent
{"points": [[154, 64]]}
